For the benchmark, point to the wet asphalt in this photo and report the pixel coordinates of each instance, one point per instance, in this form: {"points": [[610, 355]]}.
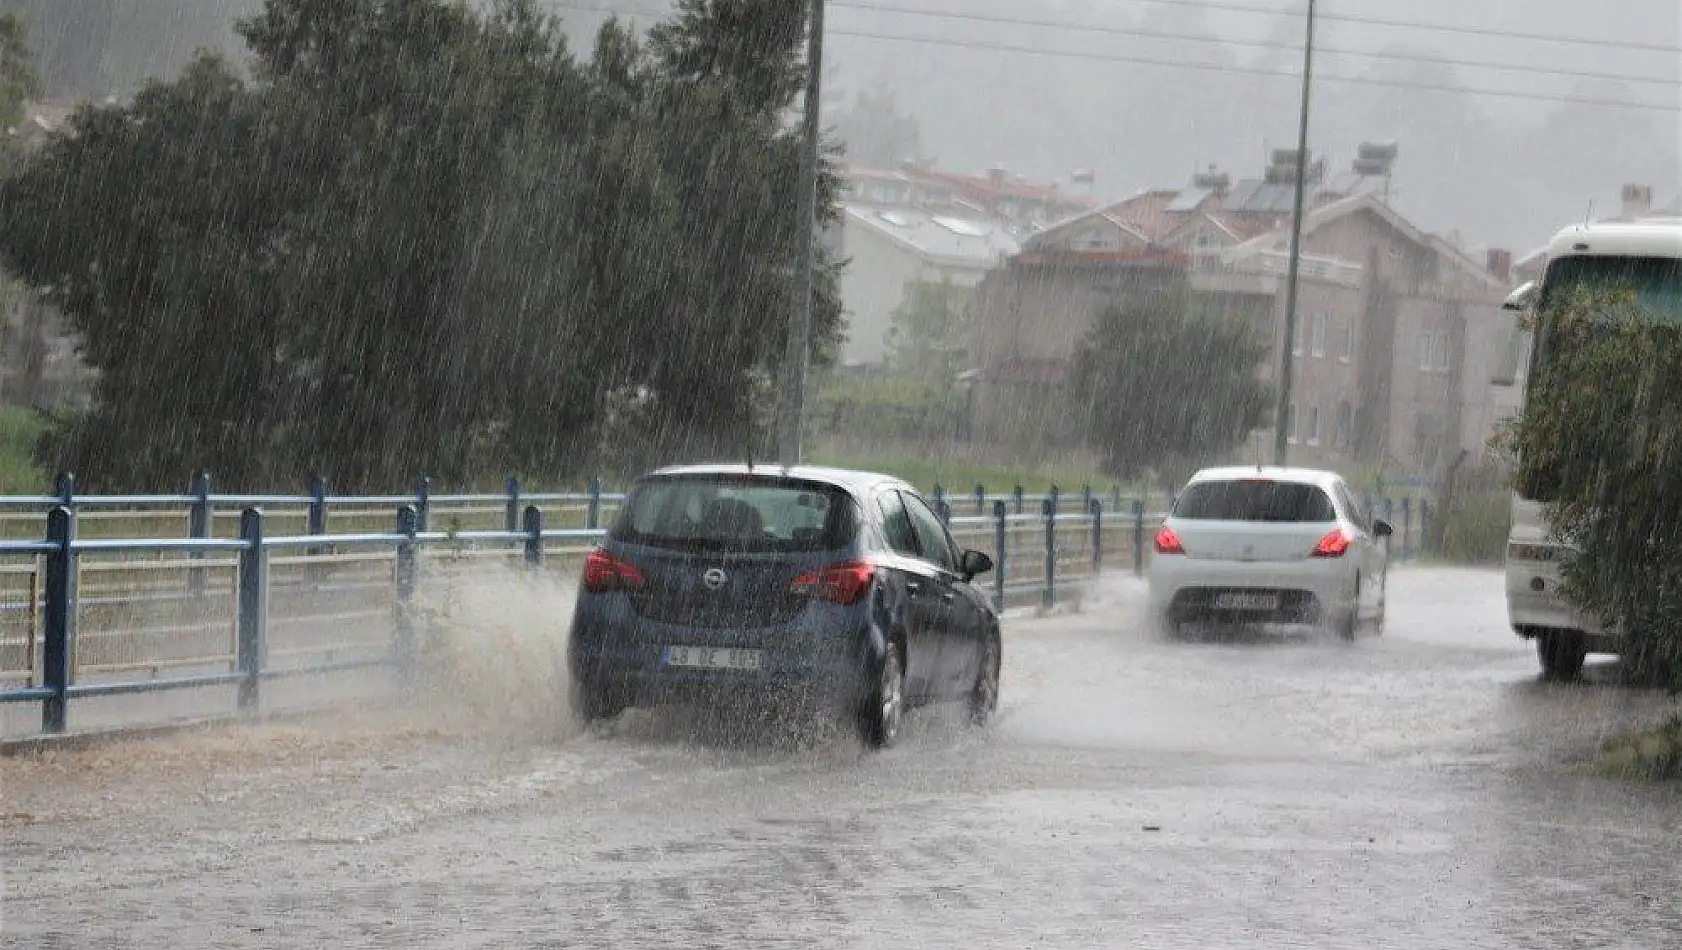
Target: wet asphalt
{"points": [[1419, 789]]}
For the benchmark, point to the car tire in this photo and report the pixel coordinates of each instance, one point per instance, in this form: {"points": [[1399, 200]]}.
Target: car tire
{"points": [[884, 706], [1562, 654], [984, 696], [592, 703]]}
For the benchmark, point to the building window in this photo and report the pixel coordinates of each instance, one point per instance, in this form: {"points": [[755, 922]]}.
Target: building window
{"points": [[1348, 341], [1344, 436], [1291, 422], [1442, 350], [1426, 344], [1296, 338], [1320, 334], [1313, 425]]}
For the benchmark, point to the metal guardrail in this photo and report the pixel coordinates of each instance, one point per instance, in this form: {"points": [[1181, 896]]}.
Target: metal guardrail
{"points": [[82, 616]]}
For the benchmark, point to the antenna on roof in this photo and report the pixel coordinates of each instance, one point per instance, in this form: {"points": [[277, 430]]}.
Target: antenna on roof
{"points": [[1256, 438], [1588, 214]]}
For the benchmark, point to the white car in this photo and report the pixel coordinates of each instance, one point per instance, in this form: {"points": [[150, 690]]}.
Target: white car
{"points": [[1269, 545]]}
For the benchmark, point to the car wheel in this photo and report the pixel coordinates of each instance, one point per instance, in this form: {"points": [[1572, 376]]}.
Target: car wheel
{"points": [[1561, 653], [885, 706], [592, 703], [984, 697]]}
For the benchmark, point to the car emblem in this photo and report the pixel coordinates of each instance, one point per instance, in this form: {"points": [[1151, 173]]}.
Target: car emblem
{"points": [[714, 578]]}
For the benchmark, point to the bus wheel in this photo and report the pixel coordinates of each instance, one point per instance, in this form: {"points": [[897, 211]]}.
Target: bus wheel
{"points": [[1561, 653]]}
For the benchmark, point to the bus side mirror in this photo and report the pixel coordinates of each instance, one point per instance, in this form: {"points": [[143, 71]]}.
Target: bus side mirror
{"points": [[1504, 371]]}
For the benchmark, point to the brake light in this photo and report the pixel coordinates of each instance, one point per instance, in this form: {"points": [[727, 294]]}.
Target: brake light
{"points": [[844, 583], [1167, 542], [1333, 544], [603, 572]]}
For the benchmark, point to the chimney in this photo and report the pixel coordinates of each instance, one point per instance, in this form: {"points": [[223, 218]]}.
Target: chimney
{"points": [[1499, 262], [996, 175], [1638, 201]]}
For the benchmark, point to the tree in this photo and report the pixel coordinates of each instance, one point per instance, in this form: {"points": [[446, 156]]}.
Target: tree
{"points": [[1603, 456], [1163, 376], [932, 332], [876, 134], [425, 238]]}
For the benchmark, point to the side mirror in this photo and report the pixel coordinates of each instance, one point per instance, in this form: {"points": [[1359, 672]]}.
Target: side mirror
{"points": [[975, 563], [1382, 528]]}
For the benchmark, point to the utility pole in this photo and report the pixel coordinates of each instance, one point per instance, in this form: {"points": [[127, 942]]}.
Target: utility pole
{"points": [[1281, 415], [798, 356]]}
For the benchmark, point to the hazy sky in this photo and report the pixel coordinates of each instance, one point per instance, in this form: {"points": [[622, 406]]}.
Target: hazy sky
{"points": [[1501, 170]]}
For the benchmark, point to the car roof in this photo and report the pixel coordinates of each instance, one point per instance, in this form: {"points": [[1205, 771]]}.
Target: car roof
{"points": [[853, 481], [1305, 476]]}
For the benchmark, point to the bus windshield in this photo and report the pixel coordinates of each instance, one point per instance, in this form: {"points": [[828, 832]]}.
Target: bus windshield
{"points": [[1657, 285], [1656, 281]]}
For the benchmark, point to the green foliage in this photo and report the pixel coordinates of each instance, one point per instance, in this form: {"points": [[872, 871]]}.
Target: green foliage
{"points": [[1654, 755], [1163, 376], [426, 239], [876, 133], [19, 430], [1599, 441], [931, 332]]}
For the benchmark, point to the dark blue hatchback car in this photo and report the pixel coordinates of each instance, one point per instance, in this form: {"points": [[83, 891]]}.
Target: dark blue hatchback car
{"points": [[844, 587]]}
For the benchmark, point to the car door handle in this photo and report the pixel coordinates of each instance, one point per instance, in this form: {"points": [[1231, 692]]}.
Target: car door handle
{"points": [[913, 587], [948, 596]]}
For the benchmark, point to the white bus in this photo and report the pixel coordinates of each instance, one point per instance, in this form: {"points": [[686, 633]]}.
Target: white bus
{"points": [[1645, 254]]}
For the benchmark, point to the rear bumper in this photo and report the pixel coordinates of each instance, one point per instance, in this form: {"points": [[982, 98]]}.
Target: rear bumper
{"points": [[822, 655], [1186, 589], [1534, 605]]}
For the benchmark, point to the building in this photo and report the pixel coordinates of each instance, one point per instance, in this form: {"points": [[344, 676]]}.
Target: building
{"points": [[889, 248], [1396, 327], [917, 223]]}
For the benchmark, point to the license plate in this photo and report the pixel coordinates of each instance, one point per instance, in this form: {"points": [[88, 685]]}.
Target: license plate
{"points": [[713, 658], [1246, 601]]}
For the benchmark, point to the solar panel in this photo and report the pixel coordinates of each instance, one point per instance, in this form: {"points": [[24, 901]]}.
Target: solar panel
{"points": [[1189, 199], [1241, 193]]}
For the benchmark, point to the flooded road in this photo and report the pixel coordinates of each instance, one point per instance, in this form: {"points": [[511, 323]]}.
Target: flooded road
{"points": [[1411, 790]]}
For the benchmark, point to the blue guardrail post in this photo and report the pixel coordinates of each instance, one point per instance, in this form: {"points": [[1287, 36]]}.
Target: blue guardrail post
{"points": [[511, 511], [1048, 508], [253, 607], [534, 536], [403, 644], [318, 505], [593, 516], [59, 622], [1000, 514], [200, 524], [1096, 509], [1138, 537], [423, 505], [980, 501], [65, 488]]}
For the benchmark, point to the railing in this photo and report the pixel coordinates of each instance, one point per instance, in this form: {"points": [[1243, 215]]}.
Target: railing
{"points": [[100, 613], [203, 611]]}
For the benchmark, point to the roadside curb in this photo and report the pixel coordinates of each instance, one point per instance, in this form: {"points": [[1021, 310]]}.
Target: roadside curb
{"points": [[81, 741]]}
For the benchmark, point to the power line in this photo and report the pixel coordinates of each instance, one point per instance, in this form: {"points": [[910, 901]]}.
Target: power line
{"points": [[1261, 71], [1426, 27], [1256, 44], [1204, 67]]}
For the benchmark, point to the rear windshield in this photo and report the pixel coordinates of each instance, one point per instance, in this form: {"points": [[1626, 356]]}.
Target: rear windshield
{"points": [[737, 514], [1255, 500]]}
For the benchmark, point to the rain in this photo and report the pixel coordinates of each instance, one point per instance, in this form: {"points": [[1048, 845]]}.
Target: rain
{"points": [[840, 473]]}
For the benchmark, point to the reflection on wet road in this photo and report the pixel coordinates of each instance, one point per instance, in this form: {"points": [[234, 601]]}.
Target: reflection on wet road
{"points": [[1413, 790]]}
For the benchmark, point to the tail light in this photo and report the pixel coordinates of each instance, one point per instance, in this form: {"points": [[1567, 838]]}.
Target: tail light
{"points": [[1167, 542], [844, 583], [603, 572], [1332, 545]]}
